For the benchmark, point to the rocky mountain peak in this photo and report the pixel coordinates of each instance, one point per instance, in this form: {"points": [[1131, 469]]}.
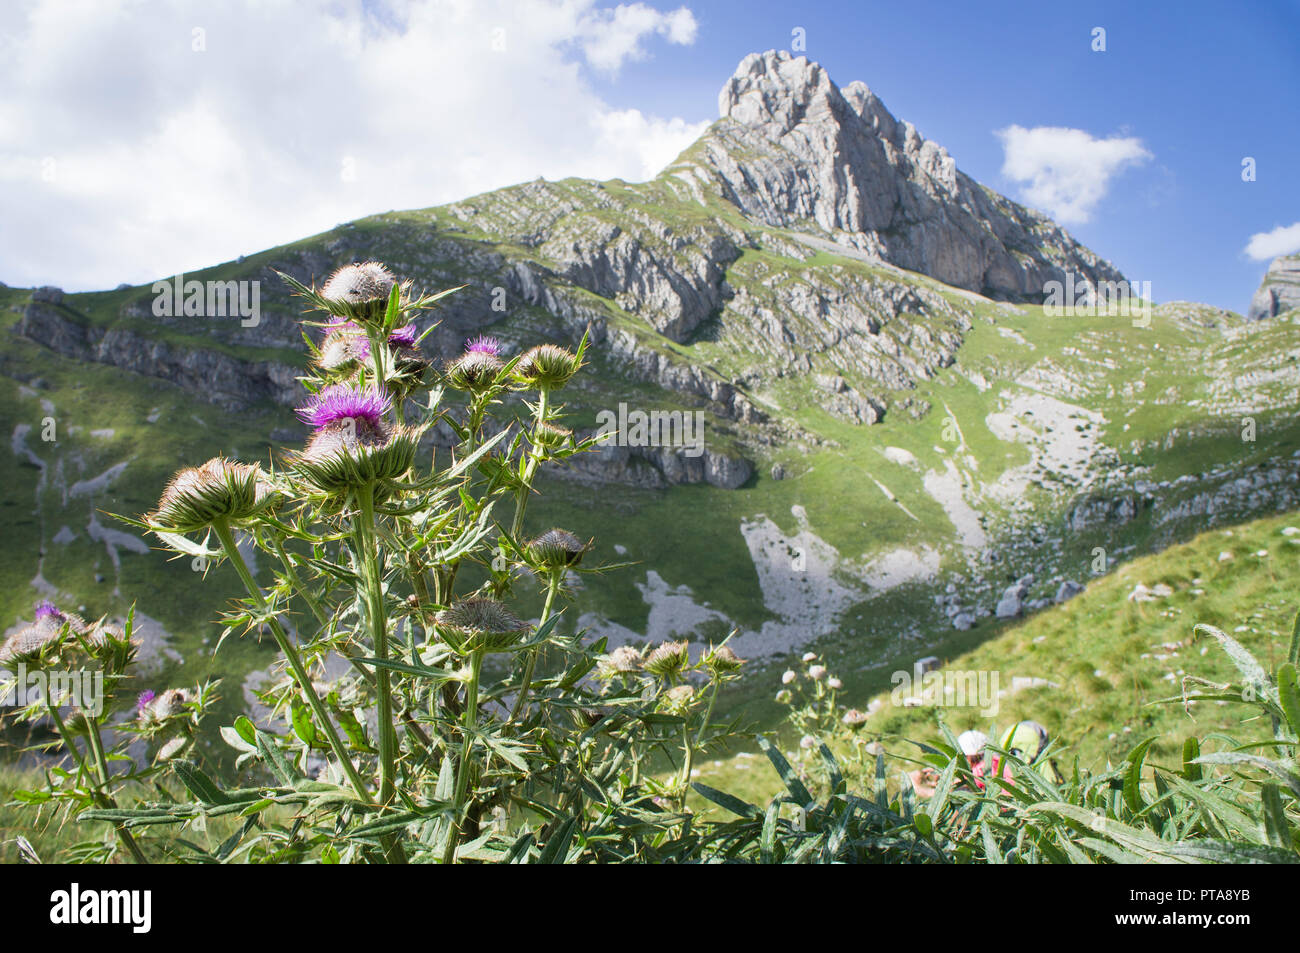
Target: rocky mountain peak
{"points": [[776, 90], [794, 150]]}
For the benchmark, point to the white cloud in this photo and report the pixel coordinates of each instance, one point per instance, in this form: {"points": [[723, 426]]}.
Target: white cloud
{"points": [[126, 155], [1065, 172], [1283, 240], [609, 37]]}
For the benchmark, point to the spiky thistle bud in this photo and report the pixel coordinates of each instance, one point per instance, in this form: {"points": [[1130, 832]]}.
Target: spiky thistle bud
{"points": [[557, 549], [551, 437], [668, 659], [474, 371], [678, 700], [480, 623], [30, 641], [723, 660], [219, 489], [546, 367]]}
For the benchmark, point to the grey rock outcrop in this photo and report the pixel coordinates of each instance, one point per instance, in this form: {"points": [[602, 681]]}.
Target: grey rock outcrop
{"points": [[1067, 590], [793, 149], [1279, 291], [216, 377]]}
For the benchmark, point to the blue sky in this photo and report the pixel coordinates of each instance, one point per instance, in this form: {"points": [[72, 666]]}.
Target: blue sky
{"points": [[139, 140], [1201, 84]]}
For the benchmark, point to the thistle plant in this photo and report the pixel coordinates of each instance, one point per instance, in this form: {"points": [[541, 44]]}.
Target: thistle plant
{"points": [[465, 728], [95, 739]]}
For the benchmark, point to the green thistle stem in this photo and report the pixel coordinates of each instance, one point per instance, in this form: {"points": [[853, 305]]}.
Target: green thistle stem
{"points": [[462, 770], [412, 726], [222, 528], [552, 587], [105, 799], [534, 456], [699, 738], [367, 554]]}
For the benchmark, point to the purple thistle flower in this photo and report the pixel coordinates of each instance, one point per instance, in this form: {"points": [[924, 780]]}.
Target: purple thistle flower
{"points": [[143, 699], [484, 345], [339, 402], [45, 609], [403, 337]]}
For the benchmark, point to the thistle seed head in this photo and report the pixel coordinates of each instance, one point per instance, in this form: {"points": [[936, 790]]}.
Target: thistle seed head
{"points": [[158, 708]]}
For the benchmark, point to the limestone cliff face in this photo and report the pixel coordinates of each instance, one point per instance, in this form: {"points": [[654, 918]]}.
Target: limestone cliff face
{"points": [[1279, 291]]}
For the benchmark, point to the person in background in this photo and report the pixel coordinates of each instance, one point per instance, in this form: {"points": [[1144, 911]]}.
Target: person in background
{"points": [[972, 745]]}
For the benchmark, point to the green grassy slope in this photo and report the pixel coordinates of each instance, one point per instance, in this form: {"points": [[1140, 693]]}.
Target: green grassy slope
{"points": [[1092, 669]]}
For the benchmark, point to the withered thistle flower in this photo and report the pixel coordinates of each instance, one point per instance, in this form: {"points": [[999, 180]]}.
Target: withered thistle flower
{"points": [[668, 659], [854, 718], [359, 291], [158, 708], [480, 623], [219, 489], [624, 659], [557, 549], [546, 367]]}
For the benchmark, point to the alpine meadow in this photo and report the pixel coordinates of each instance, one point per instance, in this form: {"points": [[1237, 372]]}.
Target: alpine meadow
{"points": [[807, 501]]}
